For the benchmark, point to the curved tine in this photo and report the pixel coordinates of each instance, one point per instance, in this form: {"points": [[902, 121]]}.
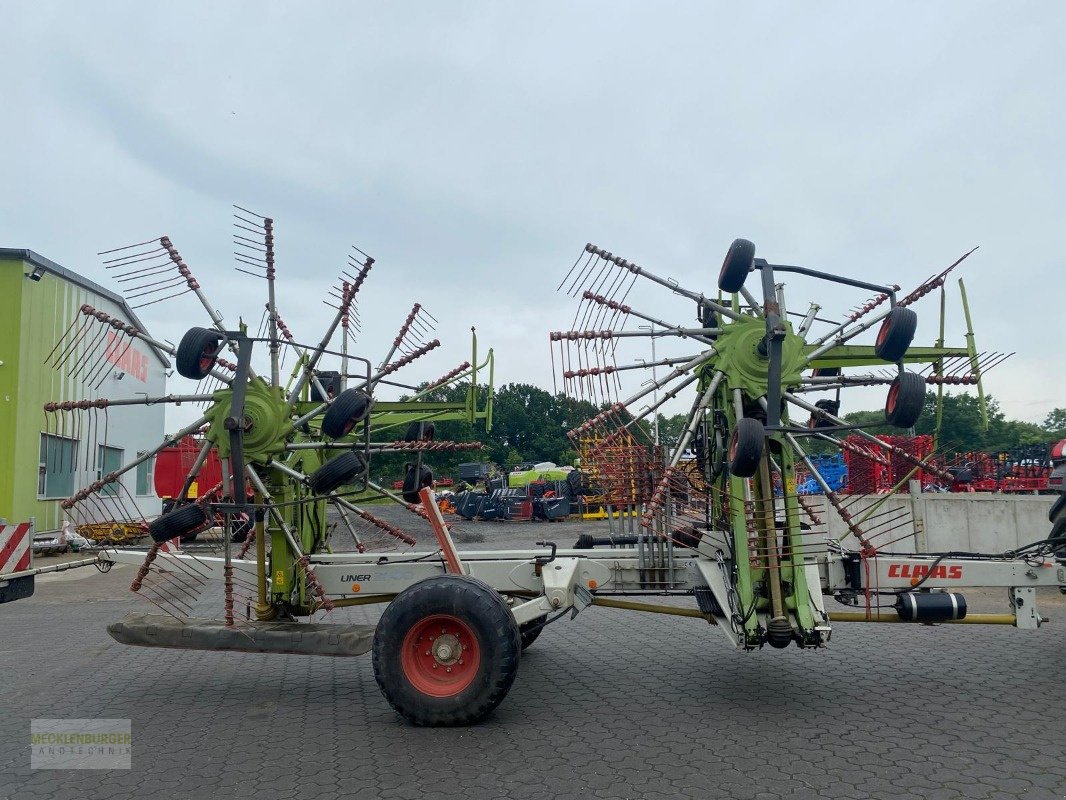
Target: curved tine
{"points": [[586, 269], [569, 272]]}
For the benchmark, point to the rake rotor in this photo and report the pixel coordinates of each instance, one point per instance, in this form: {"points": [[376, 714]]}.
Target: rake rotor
{"points": [[727, 485], [295, 455]]}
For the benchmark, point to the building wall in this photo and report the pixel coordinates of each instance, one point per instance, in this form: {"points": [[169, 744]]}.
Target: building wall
{"points": [[34, 315], [971, 522]]}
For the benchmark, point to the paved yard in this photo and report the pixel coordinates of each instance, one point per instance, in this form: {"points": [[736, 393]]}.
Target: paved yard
{"points": [[611, 705]]}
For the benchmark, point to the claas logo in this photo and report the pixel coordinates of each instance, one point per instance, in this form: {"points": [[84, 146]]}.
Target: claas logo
{"points": [[127, 358], [921, 570]]}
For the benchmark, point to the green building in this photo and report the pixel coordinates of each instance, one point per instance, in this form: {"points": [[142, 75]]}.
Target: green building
{"points": [[46, 457]]}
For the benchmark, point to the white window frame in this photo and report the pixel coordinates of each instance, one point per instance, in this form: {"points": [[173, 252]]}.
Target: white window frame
{"points": [[43, 471]]}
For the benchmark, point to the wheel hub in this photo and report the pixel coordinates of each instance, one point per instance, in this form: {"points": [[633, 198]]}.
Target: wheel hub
{"points": [[446, 649], [440, 655], [266, 421]]}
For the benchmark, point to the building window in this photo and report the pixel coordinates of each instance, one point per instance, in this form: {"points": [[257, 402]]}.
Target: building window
{"points": [[144, 474], [109, 459], [56, 467]]}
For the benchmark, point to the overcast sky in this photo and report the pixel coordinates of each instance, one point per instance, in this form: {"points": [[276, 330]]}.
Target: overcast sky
{"points": [[473, 149]]}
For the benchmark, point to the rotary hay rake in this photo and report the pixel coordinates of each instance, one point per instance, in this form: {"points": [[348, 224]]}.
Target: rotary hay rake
{"points": [[447, 646], [734, 499], [288, 452]]}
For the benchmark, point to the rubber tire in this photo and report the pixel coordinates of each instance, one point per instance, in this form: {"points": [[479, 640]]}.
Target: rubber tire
{"points": [[182, 521], [736, 265], [573, 480], [905, 401], [1057, 508], [481, 609], [420, 432], [746, 447], [336, 472], [412, 484], [830, 407], [896, 334], [529, 631], [1057, 516], [348, 409], [196, 345]]}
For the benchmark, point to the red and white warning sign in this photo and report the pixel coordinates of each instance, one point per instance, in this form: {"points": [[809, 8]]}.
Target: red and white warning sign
{"points": [[15, 541]]}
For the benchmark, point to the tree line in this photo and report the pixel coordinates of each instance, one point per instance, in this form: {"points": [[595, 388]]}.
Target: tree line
{"points": [[530, 425]]}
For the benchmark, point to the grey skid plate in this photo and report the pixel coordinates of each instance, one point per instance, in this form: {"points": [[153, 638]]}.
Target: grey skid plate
{"points": [[159, 630]]}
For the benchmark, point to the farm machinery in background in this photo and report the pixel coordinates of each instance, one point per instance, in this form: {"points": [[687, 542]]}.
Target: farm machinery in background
{"points": [[864, 469], [448, 644]]}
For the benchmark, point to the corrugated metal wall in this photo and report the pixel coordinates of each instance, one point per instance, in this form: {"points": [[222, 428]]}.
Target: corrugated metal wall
{"points": [[34, 315]]}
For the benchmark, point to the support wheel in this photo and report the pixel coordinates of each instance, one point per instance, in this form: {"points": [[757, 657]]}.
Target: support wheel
{"points": [[348, 409], [1057, 517], [906, 399], [1058, 510], [336, 472], [185, 522], [737, 264], [420, 432], [745, 447], [197, 353], [896, 334], [446, 651], [415, 480]]}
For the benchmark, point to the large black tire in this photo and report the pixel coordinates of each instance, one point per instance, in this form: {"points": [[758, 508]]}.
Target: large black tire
{"points": [[738, 262], [420, 432], [745, 447], [336, 472], [197, 353], [421, 676], [529, 631], [183, 521], [905, 401], [415, 480], [896, 334], [347, 410]]}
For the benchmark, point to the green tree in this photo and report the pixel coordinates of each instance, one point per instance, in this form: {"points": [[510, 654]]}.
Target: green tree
{"points": [[1055, 423]]}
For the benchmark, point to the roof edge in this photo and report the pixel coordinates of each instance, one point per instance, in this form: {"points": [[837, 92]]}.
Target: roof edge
{"points": [[47, 264]]}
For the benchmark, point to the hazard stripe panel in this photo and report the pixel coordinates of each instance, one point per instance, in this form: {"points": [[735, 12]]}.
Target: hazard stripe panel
{"points": [[14, 548]]}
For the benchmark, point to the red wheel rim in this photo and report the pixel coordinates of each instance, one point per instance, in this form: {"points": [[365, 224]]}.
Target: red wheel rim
{"points": [[893, 394], [883, 333], [734, 440], [440, 655], [207, 357]]}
